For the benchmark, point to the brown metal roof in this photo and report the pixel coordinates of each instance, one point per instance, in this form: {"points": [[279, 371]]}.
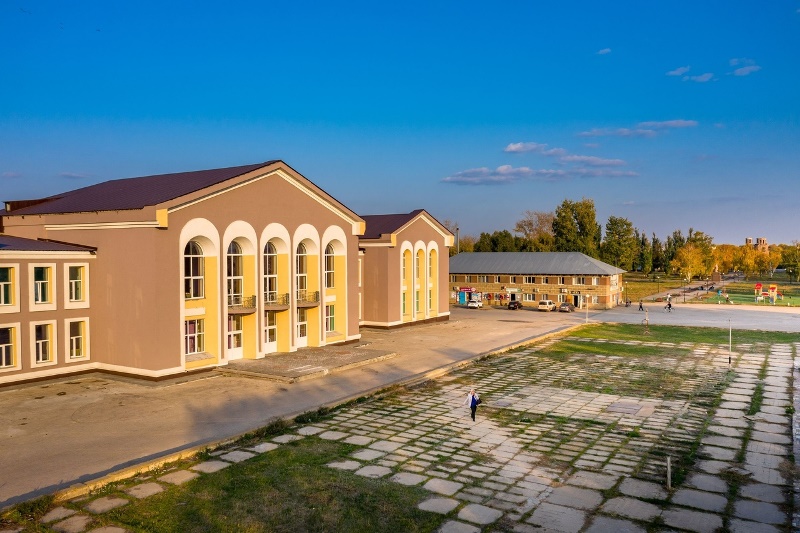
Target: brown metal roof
{"points": [[19, 244], [378, 225], [129, 193]]}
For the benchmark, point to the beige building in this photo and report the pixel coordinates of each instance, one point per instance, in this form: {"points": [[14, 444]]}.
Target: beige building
{"points": [[528, 277], [160, 275]]}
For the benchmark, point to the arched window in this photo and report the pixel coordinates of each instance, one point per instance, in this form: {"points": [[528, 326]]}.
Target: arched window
{"points": [[270, 273], [302, 271], [193, 285], [235, 274], [329, 266]]}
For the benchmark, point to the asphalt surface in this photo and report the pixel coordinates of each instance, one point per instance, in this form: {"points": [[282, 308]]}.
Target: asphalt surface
{"points": [[67, 432]]}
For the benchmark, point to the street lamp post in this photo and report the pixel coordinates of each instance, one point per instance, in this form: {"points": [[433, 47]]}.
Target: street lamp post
{"points": [[685, 285], [658, 280]]}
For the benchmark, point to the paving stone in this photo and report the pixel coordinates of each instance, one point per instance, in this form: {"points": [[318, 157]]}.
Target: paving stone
{"points": [[385, 445], [373, 471], [332, 435], [723, 442], [56, 514], [358, 440], [73, 524], [744, 526], [367, 455], [443, 486], [406, 478], [718, 454], [706, 501], [178, 477], [765, 475], [593, 480], [237, 456], [763, 492], [604, 524], [642, 489], [479, 514], [766, 513], [453, 526], [345, 465], [264, 447], [770, 428], [209, 467], [144, 490], [767, 448], [284, 439], [773, 438], [105, 504], [438, 505], [310, 430], [576, 497], [763, 460], [712, 467], [692, 520], [558, 518], [631, 508], [707, 483], [727, 431]]}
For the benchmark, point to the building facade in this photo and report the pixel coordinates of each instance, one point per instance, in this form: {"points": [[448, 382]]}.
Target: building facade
{"points": [[528, 277], [176, 273]]}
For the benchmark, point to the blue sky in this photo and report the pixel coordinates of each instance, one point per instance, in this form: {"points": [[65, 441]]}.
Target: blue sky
{"points": [[671, 114]]}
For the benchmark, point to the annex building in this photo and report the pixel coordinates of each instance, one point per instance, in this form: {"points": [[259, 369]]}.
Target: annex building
{"points": [[159, 275], [501, 277]]}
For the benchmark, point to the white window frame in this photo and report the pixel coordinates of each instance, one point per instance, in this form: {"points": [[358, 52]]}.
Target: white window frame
{"points": [[234, 333], [561, 280], [529, 280], [270, 328], [483, 279], [235, 284], [302, 323], [199, 336], [14, 347], [52, 343], [301, 270], [330, 318], [13, 306], [330, 266], [49, 305], [83, 303], [270, 277], [192, 276], [453, 278], [68, 340]]}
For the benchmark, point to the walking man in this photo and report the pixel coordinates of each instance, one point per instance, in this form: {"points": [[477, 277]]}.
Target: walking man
{"points": [[641, 307], [472, 400]]}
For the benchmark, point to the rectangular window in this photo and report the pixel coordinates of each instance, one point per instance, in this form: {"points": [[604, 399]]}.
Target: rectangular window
{"points": [[43, 348], [416, 301], [5, 286], [513, 279], [329, 272], [419, 267], [430, 299], [234, 331], [194, 336], [594, 281], [271, 329], [483, 279], [404, 303], [561, 298], [561, 280], [430, 267], [530, 280], [580, 280], [529, 297], [41, 285], [302, 322], [497, 279], [545, 281], [330, 318], [452, 278], [468, 279], [76, 284], [6, 347], [76, 340]]}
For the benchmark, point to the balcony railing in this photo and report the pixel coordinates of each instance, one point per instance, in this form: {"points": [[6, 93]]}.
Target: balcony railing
{"points": [[241, 305], [276, 300], [307, 298]]}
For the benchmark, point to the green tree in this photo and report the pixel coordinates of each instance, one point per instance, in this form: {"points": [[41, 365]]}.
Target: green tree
{"points": [[536, 228], [658, 254], [690, 261], [619, 247], [575, 228], [644, 257], [790, 259], [499, 241]]}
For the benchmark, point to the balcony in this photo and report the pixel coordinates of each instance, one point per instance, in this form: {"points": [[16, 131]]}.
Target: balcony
{"points": [[241, 305], [307, 298], [274, 301]]}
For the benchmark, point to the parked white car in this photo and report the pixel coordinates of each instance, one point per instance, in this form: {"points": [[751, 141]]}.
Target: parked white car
{"points": [[474, 304], [547, 305]]}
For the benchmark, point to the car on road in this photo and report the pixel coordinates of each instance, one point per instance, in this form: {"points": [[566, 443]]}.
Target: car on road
{"points": [[514, 305], [566, 307], [474, 304], [547, 305]]}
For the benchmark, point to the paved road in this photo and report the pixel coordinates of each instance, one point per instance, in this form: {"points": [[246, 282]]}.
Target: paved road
{"points": [[65, 432]]}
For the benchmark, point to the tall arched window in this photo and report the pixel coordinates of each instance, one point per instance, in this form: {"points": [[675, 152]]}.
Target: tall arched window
{"points": [[235, 274], [329, 266], [270, 273], [193, 286], [302, 271]]}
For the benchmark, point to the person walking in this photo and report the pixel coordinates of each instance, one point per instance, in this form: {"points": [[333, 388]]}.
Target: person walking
{"points": [[669, 307], [641, 306], [473, 400]]}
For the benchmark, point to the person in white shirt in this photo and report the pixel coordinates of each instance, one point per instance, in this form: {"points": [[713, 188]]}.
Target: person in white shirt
{"points": [[472, 400]]}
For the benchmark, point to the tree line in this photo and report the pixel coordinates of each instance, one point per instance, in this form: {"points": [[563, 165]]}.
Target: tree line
{"points": [[573, 227]]}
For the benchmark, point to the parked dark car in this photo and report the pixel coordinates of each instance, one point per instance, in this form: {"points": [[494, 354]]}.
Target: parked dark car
{"points": [[515, 304], [566, 307]]}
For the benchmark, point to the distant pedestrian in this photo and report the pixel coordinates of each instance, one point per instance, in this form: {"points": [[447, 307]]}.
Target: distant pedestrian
{"points": [[669, 307], [473, 400], [641, 306]]}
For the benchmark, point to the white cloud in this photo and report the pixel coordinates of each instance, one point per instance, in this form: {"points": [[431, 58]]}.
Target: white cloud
{"points": [[592, 160], [679, 123], [11, 174], [618, 132], [524, 147], [73, 176], [702, 78], [679, 71], [502, 175], [604, 51], [746, 71]]}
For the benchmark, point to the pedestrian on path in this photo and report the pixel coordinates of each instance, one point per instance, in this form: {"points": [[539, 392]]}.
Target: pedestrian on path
{"points": [[641, 306], [473, 400], [668, 307]]}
